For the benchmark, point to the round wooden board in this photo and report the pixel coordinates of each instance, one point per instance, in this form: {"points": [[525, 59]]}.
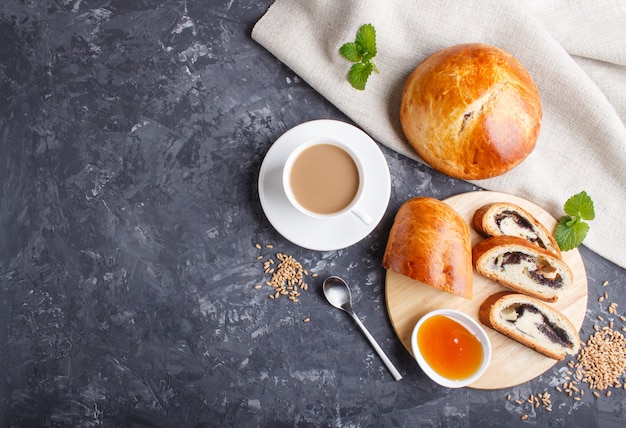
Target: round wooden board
{"points": [[511, 362]]}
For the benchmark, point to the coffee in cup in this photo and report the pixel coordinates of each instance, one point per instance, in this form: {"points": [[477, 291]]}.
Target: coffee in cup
{"points": [[324, 178]]}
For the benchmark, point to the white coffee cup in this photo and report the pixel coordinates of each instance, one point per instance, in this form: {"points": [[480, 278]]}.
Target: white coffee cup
{"points": [[325, 178]]}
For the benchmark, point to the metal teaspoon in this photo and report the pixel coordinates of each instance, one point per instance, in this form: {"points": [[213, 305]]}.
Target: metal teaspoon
{"points": [[338, 294]]}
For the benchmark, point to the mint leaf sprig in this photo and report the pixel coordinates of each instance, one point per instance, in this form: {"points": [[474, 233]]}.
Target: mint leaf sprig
{"points": [[361, 52], [571, 229]]}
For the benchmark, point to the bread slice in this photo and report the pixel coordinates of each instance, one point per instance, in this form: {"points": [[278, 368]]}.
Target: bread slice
{"points": [[522, 267], [507, 219], [532, 323], [430, 242]]}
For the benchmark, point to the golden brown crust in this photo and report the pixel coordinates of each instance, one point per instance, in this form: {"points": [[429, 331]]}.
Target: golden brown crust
{"points": [[484, 311], [503, 244], [471, 111], [488, 314], [487, 244], [430, 242], [483, 226], [478, 221]]}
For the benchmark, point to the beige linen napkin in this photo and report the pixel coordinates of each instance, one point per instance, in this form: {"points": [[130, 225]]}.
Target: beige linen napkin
{"points": [[575, 50]]}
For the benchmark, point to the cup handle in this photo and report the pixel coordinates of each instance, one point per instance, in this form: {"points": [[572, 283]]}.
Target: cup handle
{"points": [[362, 215]]}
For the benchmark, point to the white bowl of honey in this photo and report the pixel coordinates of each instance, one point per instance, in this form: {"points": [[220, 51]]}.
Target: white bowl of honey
{"points": [[451, 347]]}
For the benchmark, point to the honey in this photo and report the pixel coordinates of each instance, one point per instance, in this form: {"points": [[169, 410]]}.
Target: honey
{"points": [[449, 348]]}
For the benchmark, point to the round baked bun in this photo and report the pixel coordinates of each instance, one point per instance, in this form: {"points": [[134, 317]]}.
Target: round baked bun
{"points": [[471, 111]]}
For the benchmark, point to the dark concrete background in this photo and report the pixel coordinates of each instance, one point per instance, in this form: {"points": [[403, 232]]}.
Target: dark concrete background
{"points": [[131, 136]]}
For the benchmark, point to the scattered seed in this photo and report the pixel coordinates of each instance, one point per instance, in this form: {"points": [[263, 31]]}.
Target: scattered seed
{"points": [[257, 246], [307, 319], [518, 402], [287, 275], [605, 283], [608, 393], [603, 359], [524, 417]]}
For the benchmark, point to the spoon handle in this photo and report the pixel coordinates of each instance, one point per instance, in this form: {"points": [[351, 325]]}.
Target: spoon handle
{"points": [[394, 372]]}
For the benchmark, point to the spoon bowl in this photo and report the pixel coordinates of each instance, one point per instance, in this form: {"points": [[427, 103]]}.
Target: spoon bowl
{"points": [[338, 295]]}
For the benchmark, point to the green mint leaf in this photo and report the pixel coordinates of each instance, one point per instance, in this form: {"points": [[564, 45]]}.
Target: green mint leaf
{"points": [[366, 41], [570, 233], [571, 221], [361, 52], [581, 205], [359, 73], [374, 67], [350, 52], [571, 229]]}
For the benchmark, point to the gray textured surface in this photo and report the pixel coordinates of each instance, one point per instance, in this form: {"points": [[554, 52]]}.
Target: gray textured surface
{"points": [[131, 136]]}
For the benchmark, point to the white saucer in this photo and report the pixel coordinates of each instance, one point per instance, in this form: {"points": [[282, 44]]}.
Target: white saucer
{"points": [[324, 234]]}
